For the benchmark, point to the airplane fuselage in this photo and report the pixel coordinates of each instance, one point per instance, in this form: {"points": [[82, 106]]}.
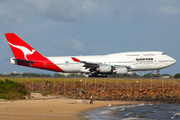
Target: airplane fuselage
{"points": [[137, 61]]}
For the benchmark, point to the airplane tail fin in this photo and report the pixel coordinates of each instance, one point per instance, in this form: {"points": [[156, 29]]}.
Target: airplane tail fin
{"points": [[25, 55], [21, 49]]}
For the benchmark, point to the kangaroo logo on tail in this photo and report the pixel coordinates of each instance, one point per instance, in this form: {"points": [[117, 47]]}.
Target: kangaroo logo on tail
{"points": [[24, 50]]}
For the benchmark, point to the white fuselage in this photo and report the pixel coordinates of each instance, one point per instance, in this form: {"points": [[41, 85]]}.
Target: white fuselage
{"points": [[137, 61]]}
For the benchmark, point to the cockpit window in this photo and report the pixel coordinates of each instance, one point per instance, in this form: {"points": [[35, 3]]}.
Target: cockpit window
{"points": [[163, 53]]}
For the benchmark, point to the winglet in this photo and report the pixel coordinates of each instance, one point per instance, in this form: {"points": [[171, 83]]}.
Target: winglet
{"points": [[75, 59]]}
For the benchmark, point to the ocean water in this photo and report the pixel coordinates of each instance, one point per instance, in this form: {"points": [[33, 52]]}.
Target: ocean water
{"points": [[136, 112]]}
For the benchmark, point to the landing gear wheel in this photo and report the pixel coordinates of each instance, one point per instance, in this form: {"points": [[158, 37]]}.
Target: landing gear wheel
{"points": [[158, 75], [96, 75]]}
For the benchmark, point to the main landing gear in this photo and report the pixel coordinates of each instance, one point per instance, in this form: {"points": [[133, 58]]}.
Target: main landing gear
{"points": [[158, 73], [97, 75]]}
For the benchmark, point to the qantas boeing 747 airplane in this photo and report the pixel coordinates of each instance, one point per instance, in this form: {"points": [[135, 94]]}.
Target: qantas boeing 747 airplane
{"points": [[117, 63]]}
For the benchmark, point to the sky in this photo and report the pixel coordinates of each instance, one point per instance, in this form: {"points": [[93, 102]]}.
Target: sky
{"points": [[90, 27]]}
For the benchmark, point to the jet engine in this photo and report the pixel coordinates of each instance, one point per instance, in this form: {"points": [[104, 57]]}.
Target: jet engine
{"points": [[109, 69], [104, 69], [120, 70]]}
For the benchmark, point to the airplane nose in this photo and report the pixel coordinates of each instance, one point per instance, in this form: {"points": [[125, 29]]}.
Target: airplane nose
{"points": [[171, 60], [174, 61]]}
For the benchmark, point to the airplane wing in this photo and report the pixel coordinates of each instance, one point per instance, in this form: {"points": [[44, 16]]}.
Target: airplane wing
{"points": [[87, 64], [96, 64], [127, 66]]}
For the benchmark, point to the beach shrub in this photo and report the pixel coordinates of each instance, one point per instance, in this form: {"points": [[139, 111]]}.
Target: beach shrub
{"points": [[12, 90]]}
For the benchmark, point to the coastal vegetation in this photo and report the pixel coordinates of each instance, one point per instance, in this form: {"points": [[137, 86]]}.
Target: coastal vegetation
{"points": [[12, 90], [147, 89], [177, 75]]}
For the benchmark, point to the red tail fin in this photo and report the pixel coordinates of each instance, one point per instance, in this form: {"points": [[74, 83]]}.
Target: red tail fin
{"points": [[20, 49], [25, 55]]}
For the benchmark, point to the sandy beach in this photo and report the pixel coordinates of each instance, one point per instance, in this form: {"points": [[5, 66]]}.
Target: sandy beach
{"points": [[50, 109]]}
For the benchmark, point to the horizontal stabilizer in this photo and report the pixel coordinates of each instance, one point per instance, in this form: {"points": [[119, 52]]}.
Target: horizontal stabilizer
{"points": [[24, 61]]}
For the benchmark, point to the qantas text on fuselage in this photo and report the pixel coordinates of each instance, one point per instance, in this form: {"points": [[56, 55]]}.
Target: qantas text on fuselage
{"points": [[137, 59], [117, 63]]}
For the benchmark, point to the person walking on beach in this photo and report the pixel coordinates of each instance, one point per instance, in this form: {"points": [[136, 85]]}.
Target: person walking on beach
{"points": [[91, 100]]}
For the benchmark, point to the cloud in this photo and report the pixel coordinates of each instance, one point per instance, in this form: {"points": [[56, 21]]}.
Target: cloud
{"points": [[164, 11], [77, 45], [12, 12], [69, 44], [61, 10], [169, 10], [33, 16], [26, 13], [15, 12]]}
